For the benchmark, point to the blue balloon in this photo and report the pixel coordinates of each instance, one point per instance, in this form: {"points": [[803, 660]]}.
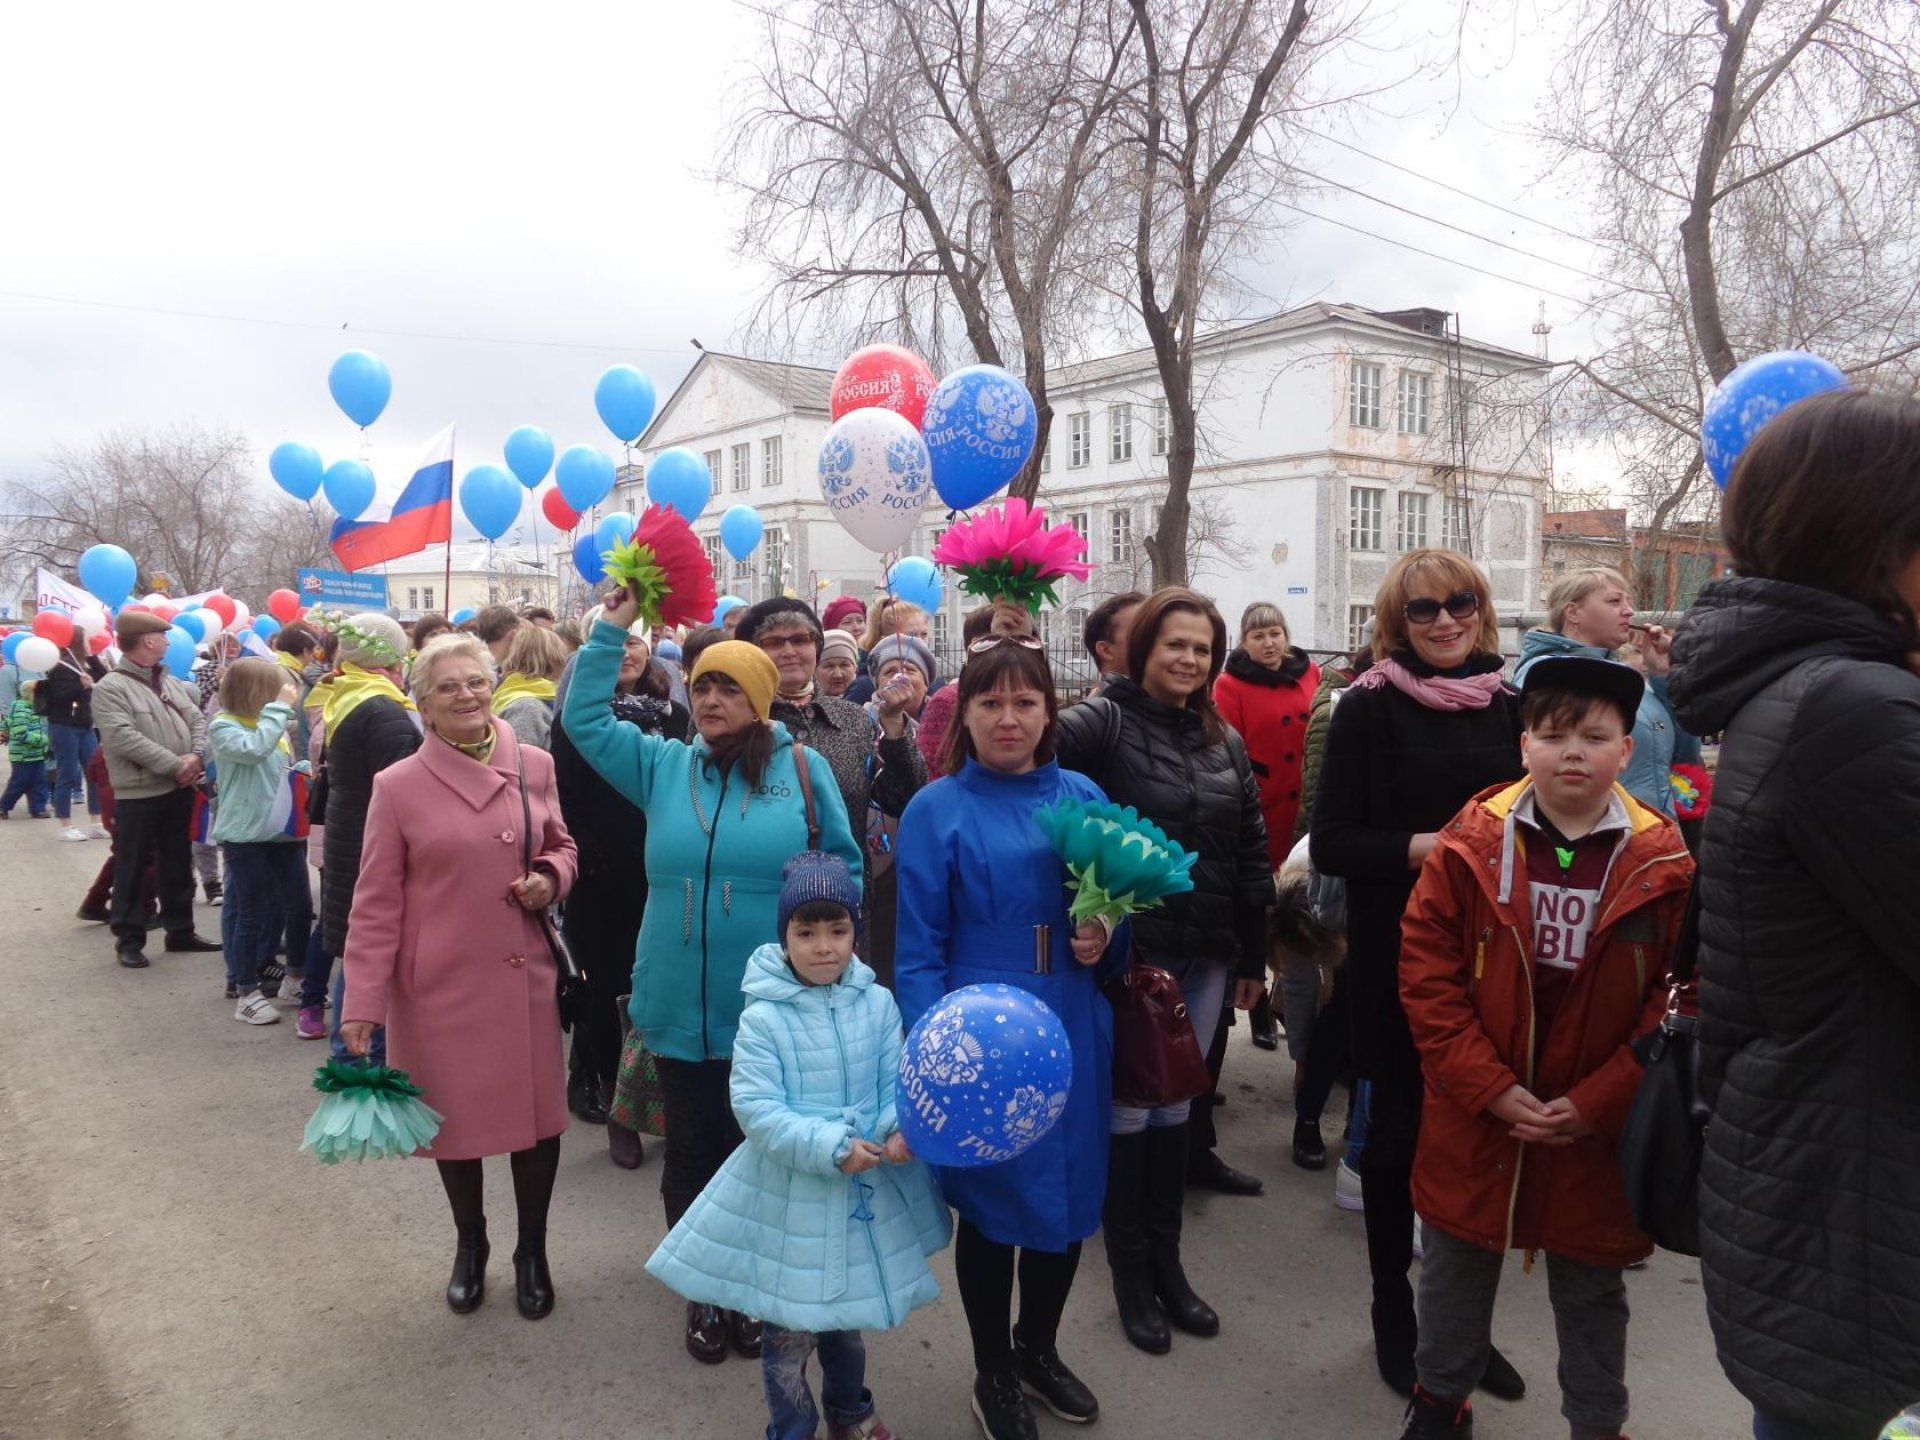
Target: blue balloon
{"points": [[490, 499], [983, 1076], [584, 477], [296, 469], [588, 560], [679, 478], [191, 622], [979, 425], [615, 529], [916, 581], [12, 643], [265, 626], [529, 455], [180, 651], [349, 486], [1753, 394], [723, 605], [624, 398], [462, 615], [361, 386], [740, 530], [108, 570]]}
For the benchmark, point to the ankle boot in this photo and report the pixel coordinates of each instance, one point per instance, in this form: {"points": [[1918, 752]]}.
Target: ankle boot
{"points": [[532, 1284], [468, 1286], [1123, 1226], [1166, 1202]]}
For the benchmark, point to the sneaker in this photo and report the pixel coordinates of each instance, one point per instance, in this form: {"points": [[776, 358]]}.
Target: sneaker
{"points": [[1431, 1418], [255, 1009], [97, 831], [870, 1428], [71, 834], [311, 1023], [1001, 1407], [1045, 1376], [214, 892], [1346, 1188]]}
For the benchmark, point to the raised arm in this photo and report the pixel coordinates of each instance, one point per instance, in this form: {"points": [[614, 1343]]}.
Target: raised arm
{"points": [[624, 755]]}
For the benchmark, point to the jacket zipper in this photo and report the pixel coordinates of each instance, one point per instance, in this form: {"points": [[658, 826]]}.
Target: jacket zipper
{"points": [[706, 891], [846, 1103], [1625, 885]]}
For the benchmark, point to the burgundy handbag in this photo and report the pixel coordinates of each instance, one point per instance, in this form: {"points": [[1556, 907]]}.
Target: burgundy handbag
{"points": [[1157, 1059]]}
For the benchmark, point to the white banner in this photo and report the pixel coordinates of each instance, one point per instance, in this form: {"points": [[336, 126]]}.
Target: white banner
{"points": [[50, 592]]}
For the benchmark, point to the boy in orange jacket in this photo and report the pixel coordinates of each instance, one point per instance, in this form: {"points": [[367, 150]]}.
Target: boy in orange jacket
{"points": [[1534, 953]]}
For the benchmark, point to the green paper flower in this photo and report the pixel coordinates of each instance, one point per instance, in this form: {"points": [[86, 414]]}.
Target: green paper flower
{"points": [[370, 1113], [1121, 863]]}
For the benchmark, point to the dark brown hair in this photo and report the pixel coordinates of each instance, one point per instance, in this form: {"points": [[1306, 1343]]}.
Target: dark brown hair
{"points": [[495, 623], [1178, 600], [429, 625], [697, 640], [1568, 708], [295, 639], [1005, 666], [1099, 627], [749, 749], [1828, 496], [979, 621]]}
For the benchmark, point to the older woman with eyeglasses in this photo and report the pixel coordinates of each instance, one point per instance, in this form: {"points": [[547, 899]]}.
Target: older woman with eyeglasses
{"points": [[1423, 731]]}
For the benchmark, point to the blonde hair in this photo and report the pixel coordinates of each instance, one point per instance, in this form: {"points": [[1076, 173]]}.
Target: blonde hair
{"points": [[1571, 589], [535, 651], [886, 618], [1261, 615], [1452, 572], [452, 645], [250, 684]]}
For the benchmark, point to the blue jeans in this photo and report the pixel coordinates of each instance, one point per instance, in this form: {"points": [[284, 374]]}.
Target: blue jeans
{"points": [[1772, 1427], [1357, 1122], [376, 1051], [268, 896], [843, 1380], [73, 747], [26, 778], [315, 973]]}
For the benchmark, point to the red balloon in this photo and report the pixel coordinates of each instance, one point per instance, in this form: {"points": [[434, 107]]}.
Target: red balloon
{"points": [[54, 625], [560, 515], [166, 612], [223, 606], [101, 640], [283, 605], [888, 376]]}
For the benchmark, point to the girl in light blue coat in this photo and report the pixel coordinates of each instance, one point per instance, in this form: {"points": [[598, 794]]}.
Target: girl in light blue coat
{"points": [[821, 1223]]}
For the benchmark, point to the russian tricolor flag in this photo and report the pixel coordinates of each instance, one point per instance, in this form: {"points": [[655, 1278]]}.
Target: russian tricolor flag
{"points": [[404, 518]]}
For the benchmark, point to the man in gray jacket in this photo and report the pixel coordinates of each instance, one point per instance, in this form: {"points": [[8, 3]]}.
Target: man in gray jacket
{"points": [[151, 731]]}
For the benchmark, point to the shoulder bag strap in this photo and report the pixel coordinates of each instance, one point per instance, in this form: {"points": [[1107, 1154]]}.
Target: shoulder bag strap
{"points": [[1686, 950], [803, 773], [563, 959]]}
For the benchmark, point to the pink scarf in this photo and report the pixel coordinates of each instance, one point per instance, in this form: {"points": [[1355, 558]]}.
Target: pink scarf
{"points": [[1436, 692]]}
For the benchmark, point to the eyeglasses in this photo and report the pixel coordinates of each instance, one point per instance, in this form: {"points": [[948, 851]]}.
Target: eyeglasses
{"points": [[785, 640], [987, 642], [1461, 605], [447, 689]]}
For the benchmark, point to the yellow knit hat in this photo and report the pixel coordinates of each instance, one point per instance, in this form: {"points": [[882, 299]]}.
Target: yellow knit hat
{"points": [[747, 666]]}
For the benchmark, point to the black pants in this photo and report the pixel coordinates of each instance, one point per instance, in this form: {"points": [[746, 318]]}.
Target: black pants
{"points": [[1329, 1044], [985, 1269], [1386, 1180], [1200, 1133], [701, 1130], [602, 922], [157, 828]]}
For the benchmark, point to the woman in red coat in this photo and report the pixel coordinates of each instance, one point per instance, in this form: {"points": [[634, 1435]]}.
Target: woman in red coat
{"points": [[445, 948], [1266, 692]]}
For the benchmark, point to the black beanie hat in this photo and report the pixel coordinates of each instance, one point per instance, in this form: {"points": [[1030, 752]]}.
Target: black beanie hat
{"points": [[779, 607]]}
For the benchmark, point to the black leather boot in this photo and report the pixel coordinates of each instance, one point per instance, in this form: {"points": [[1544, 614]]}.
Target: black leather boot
{"points": [[1123, 1226], [532, 1284], [1166, 1202], [468, 1286]]}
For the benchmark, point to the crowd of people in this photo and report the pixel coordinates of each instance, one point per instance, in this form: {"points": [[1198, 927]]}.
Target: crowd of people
{"points": [[773, 845]]}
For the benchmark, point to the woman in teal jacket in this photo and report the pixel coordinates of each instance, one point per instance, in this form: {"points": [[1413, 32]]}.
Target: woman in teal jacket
{"points": [[724, 815]]}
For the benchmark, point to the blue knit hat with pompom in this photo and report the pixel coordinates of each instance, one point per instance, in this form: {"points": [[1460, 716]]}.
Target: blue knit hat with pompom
{"points": [[815, 875]]}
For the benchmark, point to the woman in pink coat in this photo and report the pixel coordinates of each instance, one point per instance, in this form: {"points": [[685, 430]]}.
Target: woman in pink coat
{"points": [[445, 948]]}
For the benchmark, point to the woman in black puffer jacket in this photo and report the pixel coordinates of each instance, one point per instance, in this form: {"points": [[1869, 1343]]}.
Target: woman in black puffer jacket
{"points": [[1809, 964], [1154, 741]]}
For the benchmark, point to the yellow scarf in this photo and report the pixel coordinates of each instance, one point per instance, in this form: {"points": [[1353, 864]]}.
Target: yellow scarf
{"points": [[252, 722], [521, 687], [351, 688], [288, 661], [481, 750]]}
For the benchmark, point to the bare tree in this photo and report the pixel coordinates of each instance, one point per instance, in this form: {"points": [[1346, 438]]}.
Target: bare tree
{"points": [[1753, 164], [186, 504]]}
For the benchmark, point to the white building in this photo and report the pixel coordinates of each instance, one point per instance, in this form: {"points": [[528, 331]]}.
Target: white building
{"points": [[1331, 438], [481, 575]]}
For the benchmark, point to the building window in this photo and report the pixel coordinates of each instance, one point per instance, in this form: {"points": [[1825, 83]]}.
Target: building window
{"points": [[426, 598], [714, 562], [942, 640], [933, 540], [1363, 406], [1119, 433], [742, 467], [1082, 526], [770, 468], [1357, 618], [776, 549], [1161, 429], [743, 569], [1046, 453], [1413, 401], [413, 597], [1365, 506], [1120, 536], [1079, 440], [1409, 521], [1456, 528], [712, 457]]}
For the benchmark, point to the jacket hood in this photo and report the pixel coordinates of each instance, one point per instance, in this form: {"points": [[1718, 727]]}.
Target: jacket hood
{"points": [[1537, 643], [769, 977], [1243, 666], [1743, 634]]}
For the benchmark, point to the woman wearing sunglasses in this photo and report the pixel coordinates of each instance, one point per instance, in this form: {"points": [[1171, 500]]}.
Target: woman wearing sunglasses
{"points": [[1423, 731]]}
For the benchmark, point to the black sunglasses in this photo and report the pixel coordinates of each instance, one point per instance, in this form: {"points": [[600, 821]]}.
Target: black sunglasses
{"points": [[1461, 605]]}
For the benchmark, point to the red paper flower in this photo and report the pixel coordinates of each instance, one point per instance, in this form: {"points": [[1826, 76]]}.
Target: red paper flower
{"points": [[666, 566]]}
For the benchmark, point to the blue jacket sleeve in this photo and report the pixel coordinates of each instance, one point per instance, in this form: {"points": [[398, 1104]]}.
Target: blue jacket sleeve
{"points": [[624, 755], [1686, 745], [926, 889], [770, 1123]]}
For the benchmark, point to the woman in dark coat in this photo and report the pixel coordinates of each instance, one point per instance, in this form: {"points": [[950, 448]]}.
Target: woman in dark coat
{"points": [[1424, 730], [602, 918], [1809, 968], [1153, 740]]}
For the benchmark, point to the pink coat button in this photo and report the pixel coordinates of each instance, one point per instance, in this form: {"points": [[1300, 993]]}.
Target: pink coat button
{"points": [[506, 836]]}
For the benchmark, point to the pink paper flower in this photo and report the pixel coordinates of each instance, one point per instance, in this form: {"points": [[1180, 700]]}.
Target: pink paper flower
{"points": [[1009, 552]]}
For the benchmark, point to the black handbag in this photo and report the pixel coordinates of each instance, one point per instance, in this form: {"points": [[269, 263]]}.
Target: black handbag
{"points": [[1666, 1128], [570, 986]]}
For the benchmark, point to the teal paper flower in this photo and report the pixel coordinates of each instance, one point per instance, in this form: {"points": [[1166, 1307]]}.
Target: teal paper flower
{"points": [[369, 1113], [1120, 862]]}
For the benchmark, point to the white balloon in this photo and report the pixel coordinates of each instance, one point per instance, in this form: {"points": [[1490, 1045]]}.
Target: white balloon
{"points": [[37, 654], [242, 616], [211, 619], [91, 619], [876, 476], [154, 597]]}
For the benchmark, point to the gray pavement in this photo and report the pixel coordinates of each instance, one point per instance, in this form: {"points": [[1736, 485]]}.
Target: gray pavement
{"points": [[171, 1266]]}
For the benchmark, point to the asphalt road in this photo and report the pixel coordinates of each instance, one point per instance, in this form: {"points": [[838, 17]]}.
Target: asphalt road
{"points": [[172, 1266]]}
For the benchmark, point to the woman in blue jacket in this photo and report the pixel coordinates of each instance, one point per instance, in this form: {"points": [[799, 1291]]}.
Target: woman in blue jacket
{"points": [[724, 815], [978, 882]]}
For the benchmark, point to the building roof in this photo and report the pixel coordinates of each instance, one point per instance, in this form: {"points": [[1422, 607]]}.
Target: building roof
{"points": [[804, 388], [1585, 525]]}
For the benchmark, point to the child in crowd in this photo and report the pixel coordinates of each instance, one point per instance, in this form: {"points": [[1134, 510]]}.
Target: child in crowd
{"points": [[25, 735], [820, 1224], [1534, 953], [256, 828]]}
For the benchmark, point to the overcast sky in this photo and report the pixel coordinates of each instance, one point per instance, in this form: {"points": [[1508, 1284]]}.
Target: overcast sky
{"points": [[502, 200]]}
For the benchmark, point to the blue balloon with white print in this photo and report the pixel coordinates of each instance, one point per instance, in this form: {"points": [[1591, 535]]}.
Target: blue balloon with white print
{"points": [[984, 1075], [979, 425], [1756, 391]]}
